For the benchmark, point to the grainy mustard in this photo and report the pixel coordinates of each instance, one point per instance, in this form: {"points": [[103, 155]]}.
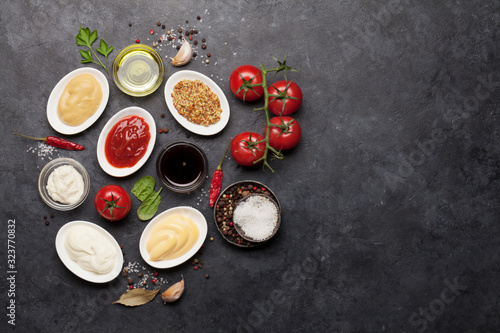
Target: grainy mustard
{"points": [[196, 102]]}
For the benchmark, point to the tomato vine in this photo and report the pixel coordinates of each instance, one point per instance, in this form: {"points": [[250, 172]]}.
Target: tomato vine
{"points": [[276, 154]]}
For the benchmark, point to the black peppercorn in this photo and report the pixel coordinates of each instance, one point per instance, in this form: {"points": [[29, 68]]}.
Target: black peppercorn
{"points": [[198, 17], [203, 46]]}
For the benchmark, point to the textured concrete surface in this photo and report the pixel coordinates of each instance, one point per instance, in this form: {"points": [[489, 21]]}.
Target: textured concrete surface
{"points": [[390, 201]]}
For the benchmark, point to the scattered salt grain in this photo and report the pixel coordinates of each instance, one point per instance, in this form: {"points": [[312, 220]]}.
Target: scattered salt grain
{"points": [[43, 150]]}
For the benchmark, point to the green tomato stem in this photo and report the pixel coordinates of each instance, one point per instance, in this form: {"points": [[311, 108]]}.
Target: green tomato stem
{"points": [[268, 148]]}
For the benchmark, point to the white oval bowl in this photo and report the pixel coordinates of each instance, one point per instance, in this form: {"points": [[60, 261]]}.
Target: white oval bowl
{"points": [[73, 265], [101, 156], [55, 96], [195, 128], [187, 211]]}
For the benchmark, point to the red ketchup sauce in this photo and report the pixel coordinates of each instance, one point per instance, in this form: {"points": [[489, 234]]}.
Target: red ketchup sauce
{"points": [[127, 142]]}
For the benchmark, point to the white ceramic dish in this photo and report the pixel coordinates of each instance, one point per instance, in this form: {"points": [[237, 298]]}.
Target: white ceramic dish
{"points": [[56, 93], [101, 156], [195, 128], [187, 211], [74, 267]]}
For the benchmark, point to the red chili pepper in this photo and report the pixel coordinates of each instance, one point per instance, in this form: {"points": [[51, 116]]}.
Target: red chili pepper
{"points": [[216, 184], [57, 142]]}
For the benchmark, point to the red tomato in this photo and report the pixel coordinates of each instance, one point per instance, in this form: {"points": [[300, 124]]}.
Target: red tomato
{"points": [[112, 202], [285, 97], [241, 81], [244, 149], [286, 135]]}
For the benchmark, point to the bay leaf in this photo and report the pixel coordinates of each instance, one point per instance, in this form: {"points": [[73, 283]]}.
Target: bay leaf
{"points": [[136, 297]]}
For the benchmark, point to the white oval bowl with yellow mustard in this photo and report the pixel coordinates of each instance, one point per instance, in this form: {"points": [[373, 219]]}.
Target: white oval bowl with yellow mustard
{"points": [[173, 236]]}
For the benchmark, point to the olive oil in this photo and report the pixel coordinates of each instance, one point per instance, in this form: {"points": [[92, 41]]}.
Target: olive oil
{"points": [[138, 70]]}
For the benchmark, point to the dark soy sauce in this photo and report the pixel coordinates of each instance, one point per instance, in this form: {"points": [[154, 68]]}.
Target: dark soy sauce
{"points": [[182, 165]]}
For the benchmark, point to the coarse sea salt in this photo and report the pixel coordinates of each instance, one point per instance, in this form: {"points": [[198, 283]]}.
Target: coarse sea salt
{"points": [[257, 217], [43, 150]]}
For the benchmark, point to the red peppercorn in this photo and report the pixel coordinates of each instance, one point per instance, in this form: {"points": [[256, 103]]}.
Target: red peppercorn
{"points": [[151, 31], [160, 131], [195, 268], [137, 41], [231, 224], [156, 273], [130, 287], [239, 242], [190, 37], [255, 188], [263, 189], [154, 281]]}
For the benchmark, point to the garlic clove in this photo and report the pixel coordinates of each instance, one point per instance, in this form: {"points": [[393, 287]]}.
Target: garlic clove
{"points": [[173, 293], [184, 55]]}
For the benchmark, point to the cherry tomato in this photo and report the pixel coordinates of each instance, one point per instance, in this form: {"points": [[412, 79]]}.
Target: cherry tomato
{"points": [[112, 202], [285, 97], [241, 81], [286, 135], [244, 149]]}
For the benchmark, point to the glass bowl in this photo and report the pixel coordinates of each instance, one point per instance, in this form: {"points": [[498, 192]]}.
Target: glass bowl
{"points": [[182, 166], [138, 70], [44, 176]]}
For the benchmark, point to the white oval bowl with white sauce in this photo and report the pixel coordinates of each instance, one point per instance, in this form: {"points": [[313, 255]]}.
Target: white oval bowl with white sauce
{"points": [[73, 265]]}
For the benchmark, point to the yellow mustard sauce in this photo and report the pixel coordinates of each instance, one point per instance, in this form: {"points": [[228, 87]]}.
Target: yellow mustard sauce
{"points": [[80, 99], [171, 238]]}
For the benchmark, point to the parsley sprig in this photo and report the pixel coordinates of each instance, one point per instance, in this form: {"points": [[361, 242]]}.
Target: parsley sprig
{"points": [[87, 38]]}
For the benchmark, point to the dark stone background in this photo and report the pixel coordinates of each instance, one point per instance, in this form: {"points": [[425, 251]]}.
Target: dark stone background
{"points": [[390, 201]]}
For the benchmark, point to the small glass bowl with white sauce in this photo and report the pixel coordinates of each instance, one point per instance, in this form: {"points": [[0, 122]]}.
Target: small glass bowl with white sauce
{"points": [[81, 185]]}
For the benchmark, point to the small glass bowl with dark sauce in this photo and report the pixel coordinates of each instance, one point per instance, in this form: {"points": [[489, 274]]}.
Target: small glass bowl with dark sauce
{"points": [[182, 166]]}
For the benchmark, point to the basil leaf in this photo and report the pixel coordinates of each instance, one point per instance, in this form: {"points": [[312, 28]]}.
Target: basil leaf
{"points": [[149, 206], [144, 187]]}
